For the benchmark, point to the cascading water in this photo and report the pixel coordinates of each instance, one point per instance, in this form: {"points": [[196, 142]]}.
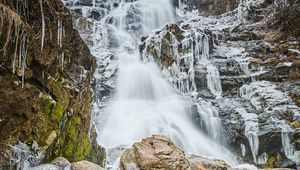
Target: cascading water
{"points": [[144, 103]]}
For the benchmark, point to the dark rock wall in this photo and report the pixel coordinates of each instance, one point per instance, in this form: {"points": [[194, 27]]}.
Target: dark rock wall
{"points": [[53, 107]]}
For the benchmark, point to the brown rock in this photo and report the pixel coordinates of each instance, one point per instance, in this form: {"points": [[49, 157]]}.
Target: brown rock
{"points": [[155, 152], [202, 163], [296, 124], [267, 169], [85, 165], [160, 153]]}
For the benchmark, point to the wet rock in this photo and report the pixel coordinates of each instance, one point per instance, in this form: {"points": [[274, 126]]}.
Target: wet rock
{"points": [[285, 163], [234, 128], [270, 146], [201, 81], [47, 167], [296, 137], [85, 165], [61, 162]]}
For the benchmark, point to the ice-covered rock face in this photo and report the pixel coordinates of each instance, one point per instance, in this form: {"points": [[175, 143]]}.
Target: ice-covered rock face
{"points": [[183, 51], [259, 114], [275, 107], [207, 7]]}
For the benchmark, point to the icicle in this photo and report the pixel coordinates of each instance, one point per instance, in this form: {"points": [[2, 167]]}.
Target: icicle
{"points": [[23, 58], [43, 25], [243, 149], [174, 49], [60, 32], [205, 48], [62, 57], [251, 130], [287, 147], [213, 80], [263, 158], [196, 50], [17, 32]]}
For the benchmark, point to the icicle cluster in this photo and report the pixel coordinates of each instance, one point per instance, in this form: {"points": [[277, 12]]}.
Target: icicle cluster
{"points": [[287, 147], [23, 157], [13, 29], [275, 104], [251, 130], [186, 52], [246, 6]]}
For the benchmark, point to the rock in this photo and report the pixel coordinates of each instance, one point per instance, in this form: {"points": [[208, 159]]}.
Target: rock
{"points": [[160, 153], [155, 152], [296, 136], [296, 124], [46, 167], [61, 162], [202, 163], [85, 165], [276, 169], [285, 163]]}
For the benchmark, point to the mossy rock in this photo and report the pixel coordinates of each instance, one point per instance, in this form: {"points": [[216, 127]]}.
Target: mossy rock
{"points": [[51, 116]]}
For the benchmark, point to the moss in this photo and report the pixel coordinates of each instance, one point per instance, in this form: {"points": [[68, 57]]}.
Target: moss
{"points": [[51, 115], [270, 161], [58, 113], [76, 142]]}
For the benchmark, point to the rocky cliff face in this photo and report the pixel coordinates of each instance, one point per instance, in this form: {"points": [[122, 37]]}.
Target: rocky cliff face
{"points": [[247, 57], [45, 76]]}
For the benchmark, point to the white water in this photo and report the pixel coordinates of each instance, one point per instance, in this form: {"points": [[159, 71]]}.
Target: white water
{"points": [[144, 103]]}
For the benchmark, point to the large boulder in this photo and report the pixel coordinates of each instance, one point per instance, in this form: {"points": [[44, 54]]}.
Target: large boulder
{"points": [[159, 152], [155, 152]]}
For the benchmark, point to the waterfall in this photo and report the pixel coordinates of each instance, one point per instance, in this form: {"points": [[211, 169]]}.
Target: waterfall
{"points": [[143, 102]]}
